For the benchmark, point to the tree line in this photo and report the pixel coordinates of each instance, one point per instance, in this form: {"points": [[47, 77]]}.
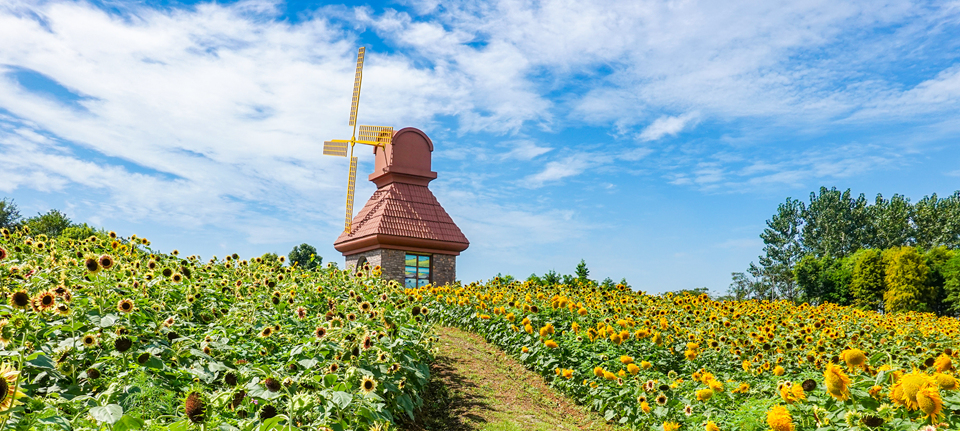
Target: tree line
{"points": [[886, 255], [55, 223]]}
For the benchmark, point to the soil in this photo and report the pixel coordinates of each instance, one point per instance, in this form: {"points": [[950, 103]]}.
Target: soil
{"points": [[475, 386]]}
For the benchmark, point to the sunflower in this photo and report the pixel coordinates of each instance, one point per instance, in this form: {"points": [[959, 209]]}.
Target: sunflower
{"points": [[89, 340], [368, 385], [854, 358], [366, 306], [3, 253], [837, 382], [661, 399], [6, 332], [8, 387], [266, 332], [46, 300], [92, 265], [704, 394], [122, 344], [671, 426], [301, 313], [320, 332], [20, 299], [946, 381], [106, 262], [125, 305], [928, 398], [943, 363], [779, 418], [904, 391], [711, 426]]}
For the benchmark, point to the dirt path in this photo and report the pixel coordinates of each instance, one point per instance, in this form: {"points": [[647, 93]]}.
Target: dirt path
{"points": [[475, 386]]}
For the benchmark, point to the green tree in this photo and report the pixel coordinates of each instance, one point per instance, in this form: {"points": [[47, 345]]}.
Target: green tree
{"points": [[867, 281], [890, 220], [936, 259], [304, 256], [929, 217], [270, 258], [835, 224], [823, 280], [905, 276], [782, 248], [551, 278], [607, 283], [582, 272], [9, 214], [78, 232], [951, 283], [534, 279], [51, 224]]}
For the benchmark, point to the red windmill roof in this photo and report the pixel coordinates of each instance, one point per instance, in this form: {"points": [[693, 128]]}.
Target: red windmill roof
{"points": [[403, 212]]}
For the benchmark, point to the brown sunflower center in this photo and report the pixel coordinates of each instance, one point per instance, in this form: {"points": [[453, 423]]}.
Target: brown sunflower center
{"points": [[21, 299], [47, 300], [4, 389]]}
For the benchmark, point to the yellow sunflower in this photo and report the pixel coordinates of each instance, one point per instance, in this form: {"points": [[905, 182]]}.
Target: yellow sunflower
{"points": [[8, 384], [779, 419], [904, 391], [837, 382], [368, 385]]}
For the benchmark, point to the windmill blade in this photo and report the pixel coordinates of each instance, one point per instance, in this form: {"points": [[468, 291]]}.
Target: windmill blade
{"points": [[351, 187], [356, 88], [381, 135], [338, 149]]}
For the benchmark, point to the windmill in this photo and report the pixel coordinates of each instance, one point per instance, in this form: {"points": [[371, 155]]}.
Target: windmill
{"points": [[376, 136]]}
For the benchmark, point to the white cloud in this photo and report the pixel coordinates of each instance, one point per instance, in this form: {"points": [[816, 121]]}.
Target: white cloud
{"points": [[524, 150], [668, 126]]}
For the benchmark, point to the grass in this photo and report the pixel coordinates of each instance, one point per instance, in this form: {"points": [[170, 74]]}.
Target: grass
{"points": [[474, 386]]}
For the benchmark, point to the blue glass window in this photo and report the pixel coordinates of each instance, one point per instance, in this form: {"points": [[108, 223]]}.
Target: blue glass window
{"points": [[416, 270]]}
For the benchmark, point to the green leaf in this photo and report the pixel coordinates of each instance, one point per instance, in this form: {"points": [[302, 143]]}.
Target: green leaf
{"points": [[109, 413], [183, 425], [128, 422], [59, 421], [341, 399], [40, 360]]}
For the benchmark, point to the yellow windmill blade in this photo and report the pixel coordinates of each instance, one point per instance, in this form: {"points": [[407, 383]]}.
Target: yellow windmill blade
{"points": [[331, 148], [356, 88], [376, 135], [351, 187]]}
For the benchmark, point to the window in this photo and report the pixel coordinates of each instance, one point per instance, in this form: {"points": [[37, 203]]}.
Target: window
{"points": [[416, 271]]}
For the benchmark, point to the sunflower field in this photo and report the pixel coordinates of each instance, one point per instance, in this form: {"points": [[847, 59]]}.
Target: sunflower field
{"points": [[106, 333], [685, 362]]}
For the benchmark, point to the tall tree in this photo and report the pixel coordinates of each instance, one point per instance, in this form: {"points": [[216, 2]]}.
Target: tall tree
{"points": [[905, 277], [929, 221], [867, 281], [9, 214], [782, 248], [304, 256], [51, 224], [835, 224], [951, 283], [582, 272], [951, 224], [890, 220]]}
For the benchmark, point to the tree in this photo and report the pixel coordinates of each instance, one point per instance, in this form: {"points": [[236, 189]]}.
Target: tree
{"points": [[9, 214], [78, 232], [808, 275], [304, 256], [51, 224], [533, 279], [951, 282], [551, 278], [835, 224], [929, 218], [782, 247], [608, 283], [582, 272], [867, 279], [890, 220], [936, 259], [905, 277], [270, 258]]}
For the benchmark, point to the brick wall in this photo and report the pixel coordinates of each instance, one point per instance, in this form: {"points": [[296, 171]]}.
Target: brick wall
{"points": [[444, 269], [392, 265]]}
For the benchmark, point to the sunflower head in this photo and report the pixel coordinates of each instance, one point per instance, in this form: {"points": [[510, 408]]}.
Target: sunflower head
{"points": [[106, 262], [929, 401], [368, 385], [125, 305], [194, 407], [836, 382], [92, 265], [20, 300]]}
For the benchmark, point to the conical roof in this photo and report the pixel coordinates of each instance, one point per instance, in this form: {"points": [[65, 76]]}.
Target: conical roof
{"points": [[403, 212]]}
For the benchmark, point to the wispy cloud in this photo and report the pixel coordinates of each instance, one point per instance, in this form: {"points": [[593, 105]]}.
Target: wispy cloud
{"points": [[668, 126]]}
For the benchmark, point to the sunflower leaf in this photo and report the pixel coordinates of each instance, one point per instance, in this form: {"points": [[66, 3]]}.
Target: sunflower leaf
{"points": [[109, 413]]}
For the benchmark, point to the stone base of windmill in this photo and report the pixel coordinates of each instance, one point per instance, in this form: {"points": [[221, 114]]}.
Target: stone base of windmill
{"points": [[410, 269]]}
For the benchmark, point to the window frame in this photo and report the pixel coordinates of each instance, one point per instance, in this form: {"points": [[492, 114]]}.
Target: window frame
{"points": [[416, 277]]}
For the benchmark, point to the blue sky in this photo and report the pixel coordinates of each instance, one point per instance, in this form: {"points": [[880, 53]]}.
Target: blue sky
{"points": [[650, 138]]}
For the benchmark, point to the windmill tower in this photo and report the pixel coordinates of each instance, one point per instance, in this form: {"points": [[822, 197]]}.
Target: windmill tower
{"points": [[402, 227]]}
